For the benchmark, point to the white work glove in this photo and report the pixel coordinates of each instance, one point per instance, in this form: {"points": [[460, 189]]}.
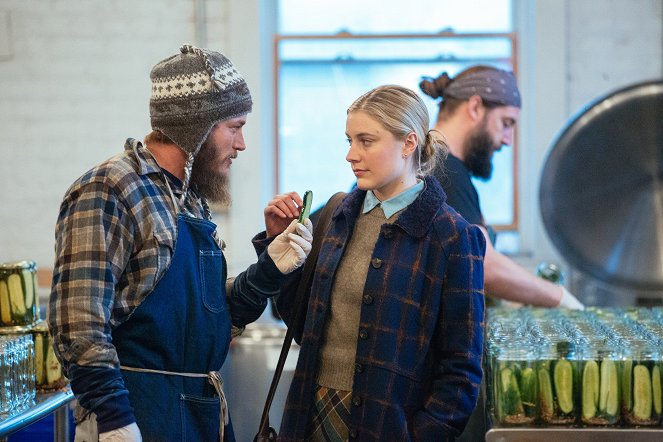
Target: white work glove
{"points": [[570, 301], [289, 249], [129, 433]]}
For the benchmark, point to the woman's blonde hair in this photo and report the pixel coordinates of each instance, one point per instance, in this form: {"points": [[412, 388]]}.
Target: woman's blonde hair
{"points": [[401, 111]]}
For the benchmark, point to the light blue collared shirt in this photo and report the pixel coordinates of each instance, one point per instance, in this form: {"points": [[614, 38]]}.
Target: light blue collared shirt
{"points": [[393, 204]]}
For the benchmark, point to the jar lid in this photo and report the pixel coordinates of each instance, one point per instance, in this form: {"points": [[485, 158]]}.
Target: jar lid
{"points": [[19, 265], [15, 330]]}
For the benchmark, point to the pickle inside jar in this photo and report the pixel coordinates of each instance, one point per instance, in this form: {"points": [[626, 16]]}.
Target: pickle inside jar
{"points": [[609, 390], [563, 377], [642, 392], [590, 389]]}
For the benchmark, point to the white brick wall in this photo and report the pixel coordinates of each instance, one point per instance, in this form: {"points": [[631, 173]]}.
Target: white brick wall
{"points": [[74, 85]]}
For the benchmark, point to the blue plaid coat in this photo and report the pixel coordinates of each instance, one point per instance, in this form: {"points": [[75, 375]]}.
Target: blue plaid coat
{"points": [[418, 360]]}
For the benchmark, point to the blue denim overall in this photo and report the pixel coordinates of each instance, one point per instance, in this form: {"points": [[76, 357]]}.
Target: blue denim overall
{"points": [[174, 343]]}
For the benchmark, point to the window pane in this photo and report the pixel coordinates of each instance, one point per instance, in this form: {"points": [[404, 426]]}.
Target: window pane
{"points": [[389, 16]]}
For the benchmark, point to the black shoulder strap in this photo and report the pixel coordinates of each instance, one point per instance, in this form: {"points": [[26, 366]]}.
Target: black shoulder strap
{"points": [[265, 432]]}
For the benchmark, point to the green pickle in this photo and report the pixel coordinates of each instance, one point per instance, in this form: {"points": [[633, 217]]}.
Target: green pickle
{"points": [[590, 391], [511, 393], [528, 391], [609, 390], [5, 309], [564, 385], [642, 393], [627, 398], [545, 393], [656, 389]]}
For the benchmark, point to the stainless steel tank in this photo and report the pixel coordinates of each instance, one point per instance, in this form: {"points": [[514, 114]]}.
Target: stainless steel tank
{"points": [[601, 197]]}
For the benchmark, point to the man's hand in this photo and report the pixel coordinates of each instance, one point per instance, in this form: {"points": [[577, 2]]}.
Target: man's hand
{"points": [[290, 248], [280, 212], [570, 301], [129, 433]]}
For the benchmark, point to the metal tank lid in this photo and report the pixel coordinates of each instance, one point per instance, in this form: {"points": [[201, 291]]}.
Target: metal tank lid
{"points": [[601, 190]]}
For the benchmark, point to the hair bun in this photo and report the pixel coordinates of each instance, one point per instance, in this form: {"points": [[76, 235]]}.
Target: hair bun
{"points": [[434, 87]]}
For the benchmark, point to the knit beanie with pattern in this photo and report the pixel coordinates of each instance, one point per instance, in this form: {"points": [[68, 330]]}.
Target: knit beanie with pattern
{"points": [[191, 92]]}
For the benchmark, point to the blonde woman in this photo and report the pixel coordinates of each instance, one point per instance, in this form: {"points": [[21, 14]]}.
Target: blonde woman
{"points": [[391, 347]]}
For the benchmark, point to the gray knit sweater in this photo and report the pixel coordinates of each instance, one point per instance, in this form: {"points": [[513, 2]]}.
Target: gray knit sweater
{"points": [[337, 355]]}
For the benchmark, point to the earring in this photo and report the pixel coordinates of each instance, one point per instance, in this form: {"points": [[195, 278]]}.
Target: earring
{"points": [[404, 155]]}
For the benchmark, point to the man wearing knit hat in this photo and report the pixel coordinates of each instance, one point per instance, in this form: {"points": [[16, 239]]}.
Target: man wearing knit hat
{"points": [[141, 311], [479, 109]]}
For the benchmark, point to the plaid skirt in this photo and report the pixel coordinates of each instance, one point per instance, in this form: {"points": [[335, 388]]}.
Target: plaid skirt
{"points": [[331, 413]]}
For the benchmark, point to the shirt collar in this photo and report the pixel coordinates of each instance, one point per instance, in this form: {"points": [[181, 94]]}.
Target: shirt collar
{"points": [[393, 204], [176, 182]]}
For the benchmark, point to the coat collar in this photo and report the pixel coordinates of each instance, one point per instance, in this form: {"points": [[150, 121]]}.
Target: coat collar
{"points": [[415, 220]]}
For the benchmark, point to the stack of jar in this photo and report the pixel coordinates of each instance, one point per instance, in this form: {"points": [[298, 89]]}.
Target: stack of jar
{"points": [[598, 367], [25, 344], [17, 374]]}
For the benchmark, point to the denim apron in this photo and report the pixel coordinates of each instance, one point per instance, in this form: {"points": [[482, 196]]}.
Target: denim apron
{"points": [[174, 343]]}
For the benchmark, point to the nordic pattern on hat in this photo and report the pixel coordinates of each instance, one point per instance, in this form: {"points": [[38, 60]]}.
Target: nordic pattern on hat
{"points": [[196, 83], [225, 76], [180, 86]]}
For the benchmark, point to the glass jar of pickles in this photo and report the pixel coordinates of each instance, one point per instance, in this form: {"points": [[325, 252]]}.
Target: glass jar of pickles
{"points": [[19, 302], [48, 371], [597, 367], [600, 397], [514, 388], [642, 401], [558, 383]]}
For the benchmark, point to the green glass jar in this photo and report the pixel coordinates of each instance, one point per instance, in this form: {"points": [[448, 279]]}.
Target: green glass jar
{"points": [[19, 301]]}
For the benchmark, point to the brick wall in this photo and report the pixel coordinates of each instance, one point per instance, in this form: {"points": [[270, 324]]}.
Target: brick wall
{"points": [[74, 84]]}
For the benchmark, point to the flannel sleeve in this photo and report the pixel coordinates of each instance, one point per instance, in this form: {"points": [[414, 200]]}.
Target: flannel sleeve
{"points": [[93, 243]]}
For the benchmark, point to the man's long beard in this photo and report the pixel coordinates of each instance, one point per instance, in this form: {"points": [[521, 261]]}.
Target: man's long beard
{"points": [[206, 181], [479, 158]]}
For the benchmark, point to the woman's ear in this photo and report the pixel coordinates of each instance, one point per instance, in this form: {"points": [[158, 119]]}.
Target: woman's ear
{"points": [[411, 142]]}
